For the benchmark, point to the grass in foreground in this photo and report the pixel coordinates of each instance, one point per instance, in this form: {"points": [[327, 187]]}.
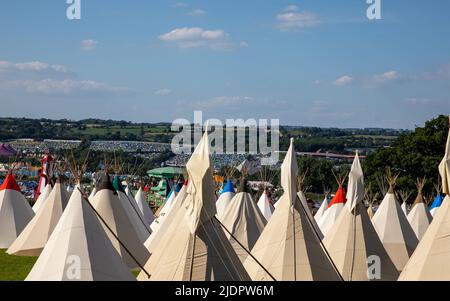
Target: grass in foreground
{"points": [[15, 268]]}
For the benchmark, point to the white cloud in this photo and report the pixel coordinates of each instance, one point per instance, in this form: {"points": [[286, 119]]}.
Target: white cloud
{"points": [[37, 77], [89, 45], [196, 37], [197, 13], [180, 5], [343, 81], [34, 66], [292, 19], [386, 77], [163, 92], [60, 87]]}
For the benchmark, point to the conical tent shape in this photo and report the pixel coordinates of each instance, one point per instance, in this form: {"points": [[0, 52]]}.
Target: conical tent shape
{"points": [[33, 238], [15, 212], [404, 209], [353, 242], [144, 207], [42, 197], [322, 209], [79, 238], [430, 260], [332, 213], [394, 230], [225, 198], [419, 217], [165, 207], [437, 203], [128, 192], [93, 192], [289, 248], [303, 201], [169, 205], [166, 222], [265, 206], [111, 209], [196, 247], [132, 210], [245, 222]]}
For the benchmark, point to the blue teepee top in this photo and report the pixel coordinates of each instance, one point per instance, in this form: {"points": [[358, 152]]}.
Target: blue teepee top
{"points": [[437, 202], [228, 187]]}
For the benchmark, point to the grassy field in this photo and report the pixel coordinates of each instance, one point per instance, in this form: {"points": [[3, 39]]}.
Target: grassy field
{"points": [[14, 268]]}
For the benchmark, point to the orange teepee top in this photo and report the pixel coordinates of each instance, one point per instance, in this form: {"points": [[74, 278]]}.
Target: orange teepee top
{"points": [[10, 183], [339, 197]]}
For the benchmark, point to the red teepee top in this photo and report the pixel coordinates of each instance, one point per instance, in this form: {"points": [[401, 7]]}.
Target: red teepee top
{"points": [[10, 183], [339, 197]]}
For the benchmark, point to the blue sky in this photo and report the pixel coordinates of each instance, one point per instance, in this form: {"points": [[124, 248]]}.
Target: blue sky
{"points": [[305, 62]]}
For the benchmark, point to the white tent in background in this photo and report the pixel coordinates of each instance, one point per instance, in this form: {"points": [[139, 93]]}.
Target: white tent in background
{"points": [[265, 205], [225, 198], [393, 228], [166, 210], [132, 210], [419, 217], [111, 209], [79, 237], [42, 197], [166, 223], [93, 192], [304, 202], [244, 221], [334, 208], [15, 212], [196, 248], [404, 195], [144, 207], [289, 248], [33, 238], [353, 242], [430, 260], [404, 209], [323, 207]]}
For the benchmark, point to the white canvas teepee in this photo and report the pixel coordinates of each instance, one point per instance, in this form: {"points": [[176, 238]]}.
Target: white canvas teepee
{"points": [[111, 209], [15, 212], [196, 248], [353, 243], [289, 249], [33, 238], [144, 207], [42, 197], [393, 228], [334, 208], [419, 217], [244, 222], [132, 210], [323, 207], [165, 211], [430, 260], [79, 249], [225, 198], [265, 206], [165, 223], [303, 201], [93, 192]]}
